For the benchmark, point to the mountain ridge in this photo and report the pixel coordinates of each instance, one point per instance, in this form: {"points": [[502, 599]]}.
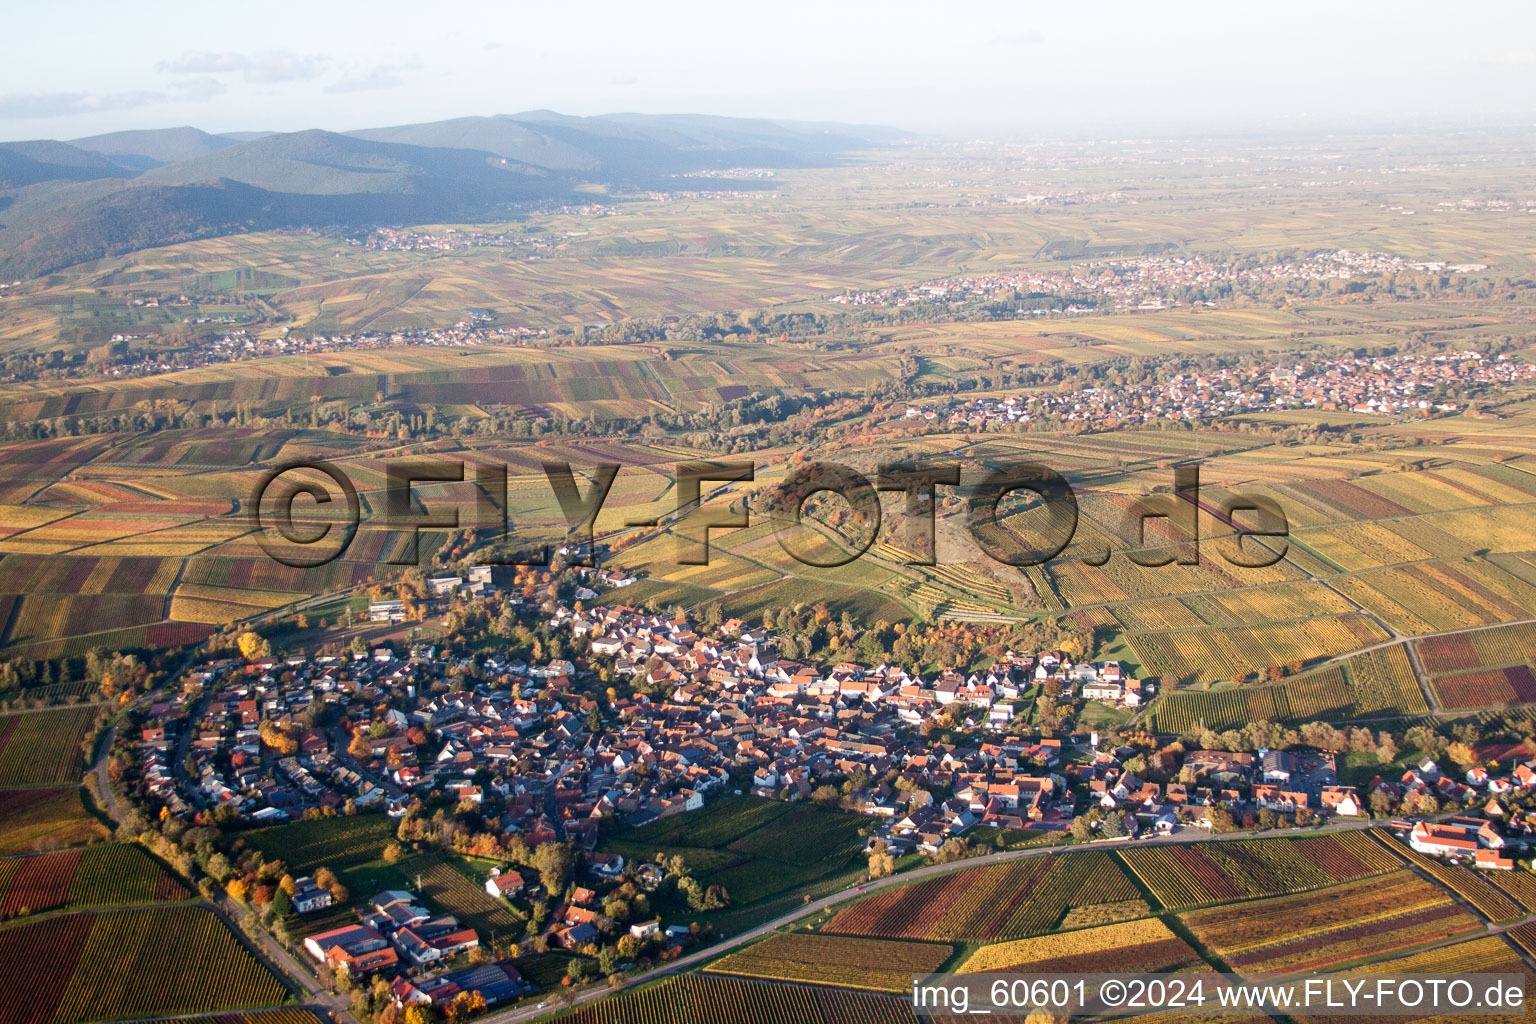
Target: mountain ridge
{"points": [[64, 202]]}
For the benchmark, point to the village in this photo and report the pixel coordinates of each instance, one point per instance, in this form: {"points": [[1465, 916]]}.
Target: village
{"points": [[1151, 282], [1405, 385], [939, 763]]}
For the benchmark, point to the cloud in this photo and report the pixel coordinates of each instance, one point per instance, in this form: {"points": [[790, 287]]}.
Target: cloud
{"points": [[18, 106], [200, 88], [380, 76], [266, 67], [1028, 37], [624, 80]]}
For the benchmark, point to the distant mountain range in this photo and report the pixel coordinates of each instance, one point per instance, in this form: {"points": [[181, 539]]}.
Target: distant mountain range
{"points": [[66, 202]]}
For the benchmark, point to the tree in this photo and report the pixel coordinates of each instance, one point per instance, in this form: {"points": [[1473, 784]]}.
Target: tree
{"points": [[359, 747], [1221, 820], [282, 903], [253, 646], [1113, 826], [826, 796], [553, 863], [881, 863], [1081, 828], [394, 853]]}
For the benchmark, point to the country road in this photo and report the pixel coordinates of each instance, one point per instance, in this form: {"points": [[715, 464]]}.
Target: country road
{"points": [[290, 968]]}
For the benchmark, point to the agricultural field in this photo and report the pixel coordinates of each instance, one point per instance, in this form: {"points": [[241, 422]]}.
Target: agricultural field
{"points": [[755, 848], [879, 964], [1133, 946], [1373, 684], [1487, 955], [104, 875], [87, 967], [993, 903], [445, 887], [1328, 928], [1500, 647], [289, 1015], [1214, 655], [45, 819], [710, 999], [1181, 877], [323, 842], [1433, 597], [1487, 688], [42, 748], [1485, 897]]}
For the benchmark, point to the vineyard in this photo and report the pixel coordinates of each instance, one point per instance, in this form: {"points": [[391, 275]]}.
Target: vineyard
{"points": [[1494, 687], [86, 967], [1135, 946], [1372, 684], [755, 848], [445, 887], [290, 1015], [42, 748], [1002, 901], [1486, 898], [1210, 655], [98, 876], [880, 964], [711, 999], [45, 817], [1488, 955], [323, 842], [1492, 648], [1328, 928], [1190, 876], [1519, 886]]}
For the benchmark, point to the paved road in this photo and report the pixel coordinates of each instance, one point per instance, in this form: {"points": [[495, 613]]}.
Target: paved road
{"points": [[519, 1014], [294, 971]]}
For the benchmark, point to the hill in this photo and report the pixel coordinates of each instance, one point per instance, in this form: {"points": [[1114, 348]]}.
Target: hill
{"points": [[62, 203], [29, 163], [143, 150]]}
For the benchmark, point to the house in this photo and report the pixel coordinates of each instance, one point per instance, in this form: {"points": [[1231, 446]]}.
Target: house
{"points": [[1342, 800], [386, 611], [308, 897], [1441, 840], [1489, 860], [354, 938], [645, 929], [503, 883]]}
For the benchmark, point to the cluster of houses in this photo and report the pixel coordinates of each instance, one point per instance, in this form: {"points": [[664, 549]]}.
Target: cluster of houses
{"points": [[1395, 385], [477, 582], [394, 929]]}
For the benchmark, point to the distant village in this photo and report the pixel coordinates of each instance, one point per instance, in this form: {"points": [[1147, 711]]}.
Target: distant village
{"points": [[1397, 386], [1149, 282]]}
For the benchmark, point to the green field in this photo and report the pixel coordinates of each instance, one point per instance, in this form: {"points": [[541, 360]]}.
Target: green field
{"points": [[757, 849], [324, 842]]}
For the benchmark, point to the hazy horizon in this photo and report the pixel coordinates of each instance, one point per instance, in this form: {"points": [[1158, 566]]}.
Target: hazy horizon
{"points": [[990, 68]]}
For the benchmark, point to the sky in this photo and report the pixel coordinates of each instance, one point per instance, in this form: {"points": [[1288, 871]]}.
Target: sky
{"points": [[82, 67]]}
